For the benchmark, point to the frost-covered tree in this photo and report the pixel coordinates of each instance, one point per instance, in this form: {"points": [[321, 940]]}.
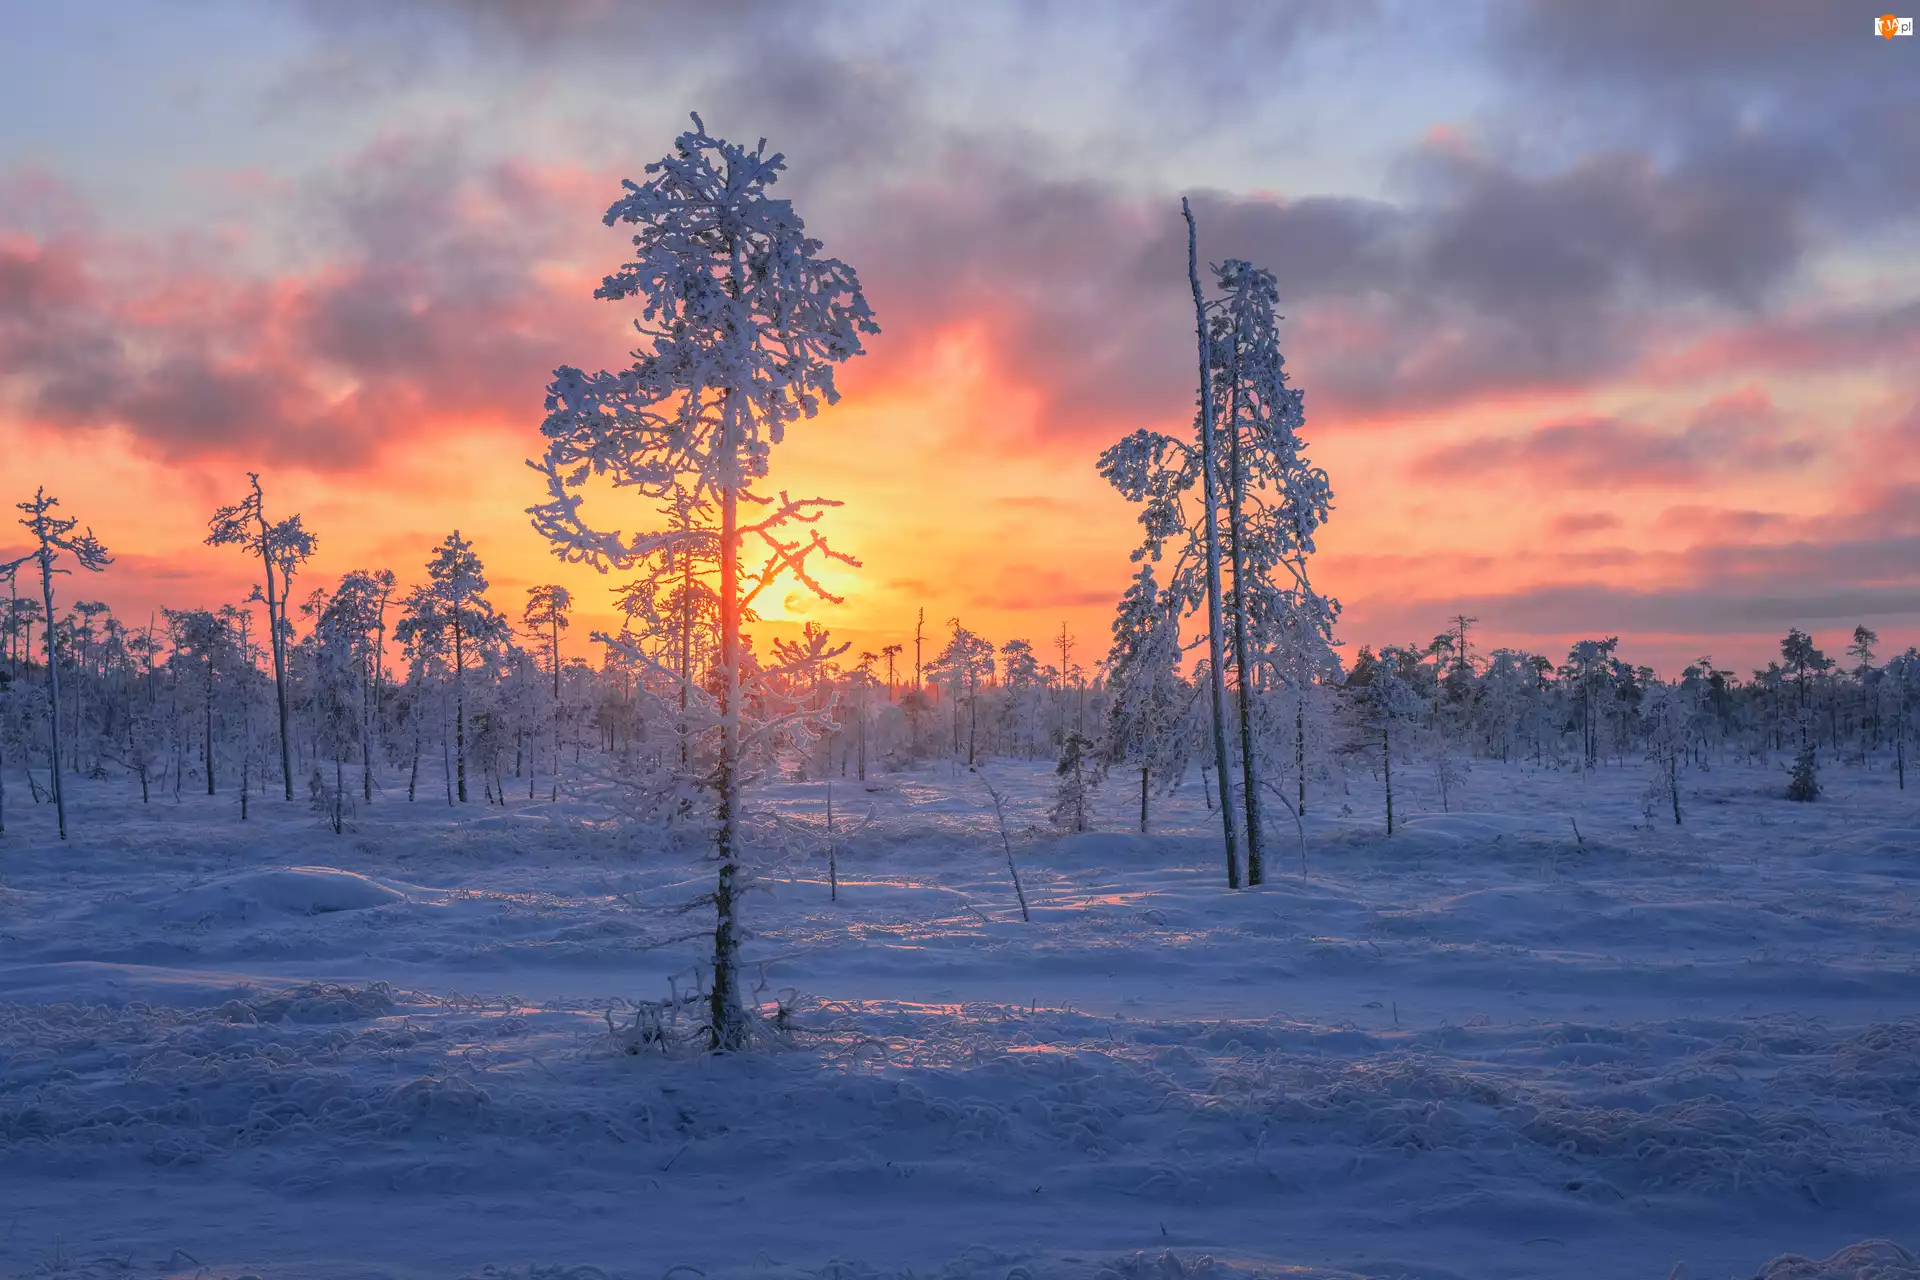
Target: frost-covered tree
{"points": [[349, 631], [1275, 503], [547, 614], [52, 535], [962, 664], [1021, 682], [1075, 774], [338, 674], [1669, 723], [1899, 695], [1388, 690], [1587, 672], [1803, 662], [1147, 700], [1241, 557], [200, 636], [742, 323], [283, 546], [453, 603], [1161, 473]]}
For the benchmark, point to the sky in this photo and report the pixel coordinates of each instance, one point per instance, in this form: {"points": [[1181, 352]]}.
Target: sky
{"points": [[1607, 316]]}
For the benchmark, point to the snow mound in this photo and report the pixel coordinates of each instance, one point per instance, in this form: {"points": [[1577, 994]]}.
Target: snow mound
{"points": [[1868, 1260], [300, 891], [1477, 828]]}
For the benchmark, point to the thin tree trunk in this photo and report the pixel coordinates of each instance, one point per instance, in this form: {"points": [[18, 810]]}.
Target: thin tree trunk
{"points": [[1243, 671], [209, 750], [1216, 682], [459, 707], [279, 657], [1300, 748], [1143, 801], [53, 692], [1386, 766], [728, 1027]]}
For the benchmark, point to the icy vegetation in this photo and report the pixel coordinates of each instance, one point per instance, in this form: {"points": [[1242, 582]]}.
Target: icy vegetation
{"points": [[1481, 1047]]}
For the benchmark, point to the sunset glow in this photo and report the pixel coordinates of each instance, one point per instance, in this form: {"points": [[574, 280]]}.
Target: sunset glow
{"points": [[1598, 336]]}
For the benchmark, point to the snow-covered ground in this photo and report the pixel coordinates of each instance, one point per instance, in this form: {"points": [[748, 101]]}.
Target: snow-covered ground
{"points": [[1485, 1047]]}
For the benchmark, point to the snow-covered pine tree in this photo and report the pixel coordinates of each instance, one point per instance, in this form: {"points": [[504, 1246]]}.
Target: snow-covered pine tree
{"points": [[1865, 677], [201, 635], [1260, 505], [283, 546], [1275, 503], [51, 535], [1295, 633], [1803, 662], [1899, 695], [742, 326], [1587, 673], [349, 632], [338, 675], [1076, 773], [453, 602], [548, 613], [962, 664], [428, 648], [246, 694], [1022, 681], [1387, 692], [1667, 721], [1160, 473], [1148, 702]]}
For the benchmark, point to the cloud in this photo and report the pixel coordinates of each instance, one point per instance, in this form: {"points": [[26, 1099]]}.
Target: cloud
{"points": [[1741, 432], [438, 308], [1810, 77], [1577, 524], [1483, 279], [1566, 610], [1717, 522]]}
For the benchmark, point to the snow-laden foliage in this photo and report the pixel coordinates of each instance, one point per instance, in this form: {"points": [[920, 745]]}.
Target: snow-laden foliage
{"points": [[52, 535], [282, 547], [1240, 558], [1148, 704], [742, 322]]}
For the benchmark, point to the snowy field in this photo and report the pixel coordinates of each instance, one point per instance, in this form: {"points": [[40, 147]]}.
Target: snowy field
{"points": [[1484, 1047]]}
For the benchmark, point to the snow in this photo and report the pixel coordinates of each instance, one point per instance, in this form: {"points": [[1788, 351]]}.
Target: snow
{"points": [[1485, 1047]]}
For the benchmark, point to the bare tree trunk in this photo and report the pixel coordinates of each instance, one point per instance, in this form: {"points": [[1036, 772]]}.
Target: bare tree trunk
{"points": [[459, 708], [728, 1019], [1216, 682], [53, 693], [1300, 748], [209, 709], [279, 658], [1006, 842], [1386, 766]]}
